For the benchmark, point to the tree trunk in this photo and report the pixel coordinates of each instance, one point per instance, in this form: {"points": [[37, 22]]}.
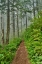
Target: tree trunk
{"points": [[37, 7], [33, 8], [17, 24], [2, 28], [8, 24], [13, 25], [21, 24], [13, 13], [26, 20]]}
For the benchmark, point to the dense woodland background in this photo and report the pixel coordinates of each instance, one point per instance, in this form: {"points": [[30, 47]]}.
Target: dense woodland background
{"points": [[15, 16]]}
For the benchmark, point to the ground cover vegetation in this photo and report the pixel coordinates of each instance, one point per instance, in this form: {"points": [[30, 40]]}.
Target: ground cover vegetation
{"points": [[7, 52], [33, 41]]}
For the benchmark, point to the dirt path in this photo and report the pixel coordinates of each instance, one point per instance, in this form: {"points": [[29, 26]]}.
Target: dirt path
{"points": [[21, 55]]}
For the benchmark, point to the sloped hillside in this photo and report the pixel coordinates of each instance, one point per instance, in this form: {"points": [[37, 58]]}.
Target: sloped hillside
{"points": [[33, 41]]}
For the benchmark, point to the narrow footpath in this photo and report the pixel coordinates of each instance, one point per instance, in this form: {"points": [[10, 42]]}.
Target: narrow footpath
{"points": [[21, 55]]}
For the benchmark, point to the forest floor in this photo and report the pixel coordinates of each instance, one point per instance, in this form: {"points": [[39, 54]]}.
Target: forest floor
{"points": [[21, 55]]}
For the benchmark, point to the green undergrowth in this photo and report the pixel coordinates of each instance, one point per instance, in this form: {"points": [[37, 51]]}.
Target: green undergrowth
{"points": [[8, 52], [33, 41]]}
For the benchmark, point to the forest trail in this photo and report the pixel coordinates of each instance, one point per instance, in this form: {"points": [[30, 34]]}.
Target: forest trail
{"points": [[21, 55]]}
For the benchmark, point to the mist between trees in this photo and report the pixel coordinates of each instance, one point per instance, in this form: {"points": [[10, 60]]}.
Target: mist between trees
{"points": [[16, 16]]}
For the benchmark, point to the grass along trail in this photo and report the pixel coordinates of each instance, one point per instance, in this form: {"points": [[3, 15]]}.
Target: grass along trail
{"points": [[21, 55]]}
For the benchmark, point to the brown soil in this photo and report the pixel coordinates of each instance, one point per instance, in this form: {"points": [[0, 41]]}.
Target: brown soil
{"points": [[21, 55]]}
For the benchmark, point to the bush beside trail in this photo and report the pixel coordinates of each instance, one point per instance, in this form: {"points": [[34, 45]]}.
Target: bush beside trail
{"points": [[33, 41]]}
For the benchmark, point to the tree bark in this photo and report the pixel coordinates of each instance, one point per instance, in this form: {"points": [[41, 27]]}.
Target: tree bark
{"points": [[17, 24], [26, 20], [2, 28], [33, 8], [21, 24], [13, 25], [8, 24], [13, 21], [37, 7]]}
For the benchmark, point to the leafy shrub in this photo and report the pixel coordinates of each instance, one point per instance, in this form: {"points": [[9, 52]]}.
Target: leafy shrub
{"points": [[8, 51], [33, 39]]}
